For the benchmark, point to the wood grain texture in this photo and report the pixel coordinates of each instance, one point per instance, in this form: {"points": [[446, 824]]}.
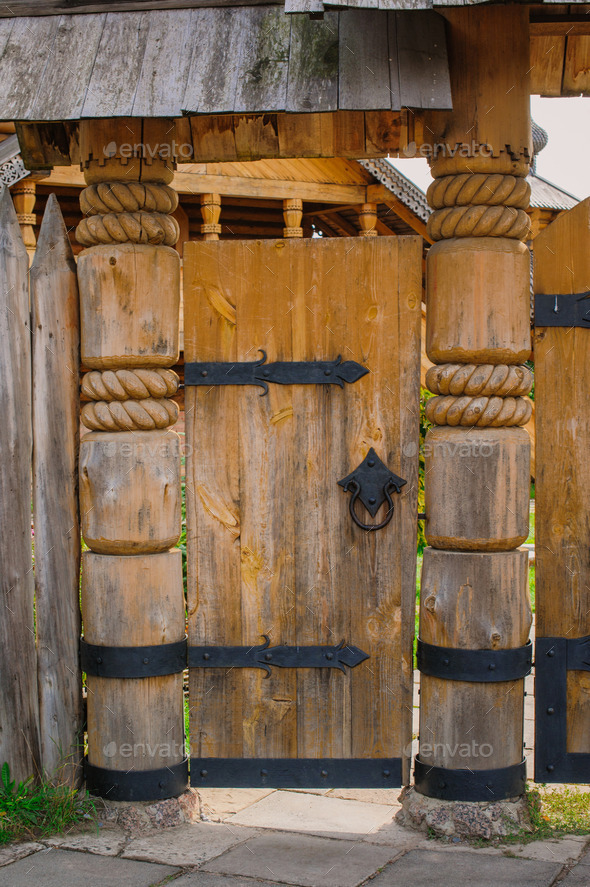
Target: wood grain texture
{"points": [[131, 602], [478, 292], [576, 69], [313, 66], [19, 712], [490, 466], [364, 61], [562, 544], [56, 358], [141, 328], [476, 601], [547, 57], [423, 65], [272, 548], [130, 491]]}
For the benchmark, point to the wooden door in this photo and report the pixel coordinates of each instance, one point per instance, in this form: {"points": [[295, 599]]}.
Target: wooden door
{"points": [[562, 513], [272, 549]]}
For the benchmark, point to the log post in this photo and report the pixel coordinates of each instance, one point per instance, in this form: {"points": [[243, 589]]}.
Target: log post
{"points": [[210, 211], [474, 593], [292, 214], [132, 594]]}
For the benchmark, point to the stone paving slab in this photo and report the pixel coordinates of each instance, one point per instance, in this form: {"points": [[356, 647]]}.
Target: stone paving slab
{"points": [[206, 879], [218, 803], [562, 850], [105, 843], [64, 868], [291, 811], [187, 845], [304, 861], [17, 851], [387, 796], [425, 868]]}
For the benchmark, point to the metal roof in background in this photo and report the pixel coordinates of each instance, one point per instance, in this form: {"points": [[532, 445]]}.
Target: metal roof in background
{"points": [[233, 60]]}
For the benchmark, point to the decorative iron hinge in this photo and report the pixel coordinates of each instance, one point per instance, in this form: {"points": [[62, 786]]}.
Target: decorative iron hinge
{"points": [[258, 372], [282, 656], [562, 310]]}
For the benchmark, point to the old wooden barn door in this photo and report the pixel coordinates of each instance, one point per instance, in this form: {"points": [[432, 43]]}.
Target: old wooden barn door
{"points": [[301, 621]]}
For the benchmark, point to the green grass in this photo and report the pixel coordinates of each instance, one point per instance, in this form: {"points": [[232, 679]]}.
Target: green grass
{"points": [[38, 808]]}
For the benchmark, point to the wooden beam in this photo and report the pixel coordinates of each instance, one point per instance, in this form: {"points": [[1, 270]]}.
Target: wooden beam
{"points": [[384, 229], [560, 26], [343, 227], [381, 194]]}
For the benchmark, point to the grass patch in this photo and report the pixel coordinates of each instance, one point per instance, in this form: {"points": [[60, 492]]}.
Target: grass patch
{"points": [[38, 808], [559, 811]]}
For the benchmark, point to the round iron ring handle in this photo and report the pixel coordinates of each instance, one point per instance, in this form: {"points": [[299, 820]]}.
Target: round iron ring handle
{"points": [[355, 487]]}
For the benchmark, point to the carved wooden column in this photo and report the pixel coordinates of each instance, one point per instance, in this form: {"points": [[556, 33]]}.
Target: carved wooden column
{"points": [[474, 594], [368, 220], [292, 214], [132, 594], [24, 196], [210, 211]]}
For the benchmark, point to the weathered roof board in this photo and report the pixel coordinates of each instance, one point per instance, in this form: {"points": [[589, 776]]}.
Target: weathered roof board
{"points": [[166, 63]]}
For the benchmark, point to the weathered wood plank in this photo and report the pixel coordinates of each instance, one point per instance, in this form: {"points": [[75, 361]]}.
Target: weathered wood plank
{"points": [[165, 67], [547, 57], [422, 60], [313, 64], [364, 61], [72, 60], [576, 69], [117, 65], [22, 69], [62, 7], [263, 67], [217, 45], [56, 358], [19, 711]]}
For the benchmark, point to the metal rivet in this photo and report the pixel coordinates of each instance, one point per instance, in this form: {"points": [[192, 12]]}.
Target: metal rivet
{"points": [[327, 372], [323, 774], [550, 768], [489, 785], [266, 372], [329, 655], [264, 772], [204, 373], [445, 661], [268, 656], [550, 711], [550, 652], [146, 661], [491, 666], [206, 656], [386, 773], [204, 772], [371, 463], [161, 784], [442, 785], [372, 500]]}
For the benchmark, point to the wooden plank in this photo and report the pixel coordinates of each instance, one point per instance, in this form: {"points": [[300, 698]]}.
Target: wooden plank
{"points": [[547, 59], [217, 45], [562, 544], [19, 711], [423, 65], [280, 190], [164, 71], [560, 26], [117, 65], [313, 64], [72, 60], [364, 60], [576, 70], [263, 67], [59, 7], [22, 68], [56, 407]]}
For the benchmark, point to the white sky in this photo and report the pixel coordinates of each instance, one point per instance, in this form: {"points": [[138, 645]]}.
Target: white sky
{"points": [[566, 159]]}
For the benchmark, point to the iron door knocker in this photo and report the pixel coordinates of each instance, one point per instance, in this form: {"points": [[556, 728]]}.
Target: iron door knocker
{"points": [[373, 483]]}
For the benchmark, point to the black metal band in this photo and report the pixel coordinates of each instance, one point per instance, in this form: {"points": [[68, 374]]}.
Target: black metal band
{"points": [[296, 772], [137, 785], [133, 662], [562, 310], [469, 785], [474, 665], [283, 656]]}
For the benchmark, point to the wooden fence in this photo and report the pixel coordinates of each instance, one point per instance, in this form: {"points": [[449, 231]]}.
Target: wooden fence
{"points": [[40, 681]]}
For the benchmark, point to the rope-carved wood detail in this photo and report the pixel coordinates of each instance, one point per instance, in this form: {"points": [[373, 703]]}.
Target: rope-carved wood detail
{"points": [[483, 412], [130, 415], [485, 379], [136, 227], [479, 190], [137, 384], [119, 197], [479, 221]]}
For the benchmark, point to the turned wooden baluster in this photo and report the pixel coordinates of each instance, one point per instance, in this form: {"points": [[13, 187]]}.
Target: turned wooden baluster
{"points": [[474, 592], [132, 594], [293, 214], [24, 196], [368, 220], [210, 211]]}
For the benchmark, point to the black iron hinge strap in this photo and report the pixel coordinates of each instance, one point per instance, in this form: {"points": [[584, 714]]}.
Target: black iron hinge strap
{"points": [[570, 310], [469, 785], [264, 656], [314, 372], [133, 662], [481, 666], [296, 772], [137, 785]]}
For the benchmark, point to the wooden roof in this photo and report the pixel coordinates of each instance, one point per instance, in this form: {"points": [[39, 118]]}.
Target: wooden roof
{"points": [[238, 60]]}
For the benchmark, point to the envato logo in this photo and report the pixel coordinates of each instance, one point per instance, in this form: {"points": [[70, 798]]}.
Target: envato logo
{"points": [[444, 149], [162, 750], [173, 150], [439, 750], [446, 449]]}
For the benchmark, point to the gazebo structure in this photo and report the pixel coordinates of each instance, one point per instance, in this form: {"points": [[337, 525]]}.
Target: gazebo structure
{"points": [[302, 359]]}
